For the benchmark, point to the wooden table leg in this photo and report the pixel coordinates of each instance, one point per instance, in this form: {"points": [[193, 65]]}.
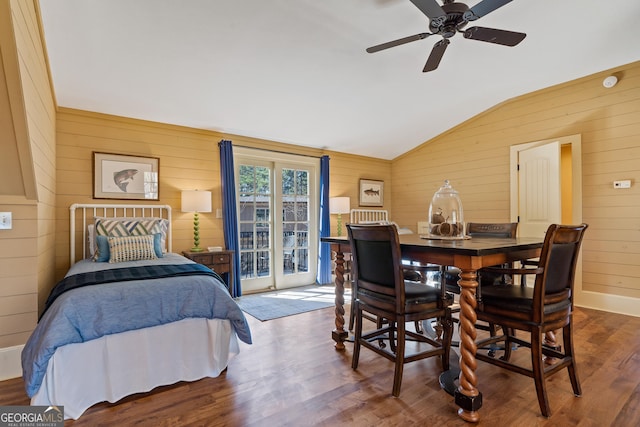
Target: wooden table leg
{"points": [[339, 335], [467, 396]]}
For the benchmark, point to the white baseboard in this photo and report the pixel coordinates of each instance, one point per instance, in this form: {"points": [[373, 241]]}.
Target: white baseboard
{"points": [[611, 303], [10, 364]]}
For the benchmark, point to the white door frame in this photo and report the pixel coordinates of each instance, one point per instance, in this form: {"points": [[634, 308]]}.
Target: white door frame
{"points": [[279, 160], [576, 174], [581, 298]]}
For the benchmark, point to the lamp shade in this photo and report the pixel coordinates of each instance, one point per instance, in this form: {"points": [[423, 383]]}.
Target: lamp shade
{"points": [[339, 205], [196, 201]]}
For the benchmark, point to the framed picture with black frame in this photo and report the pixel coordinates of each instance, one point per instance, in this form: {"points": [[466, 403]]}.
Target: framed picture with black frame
{"points": [[121, 176]]}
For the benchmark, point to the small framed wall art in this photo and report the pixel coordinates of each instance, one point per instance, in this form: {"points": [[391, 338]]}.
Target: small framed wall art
{"points": [[118, 176], [371, 192]]}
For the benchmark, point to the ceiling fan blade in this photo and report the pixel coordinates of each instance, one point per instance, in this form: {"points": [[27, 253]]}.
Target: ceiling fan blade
{"points": [[432, 9], [436, 55], [492, 35], [398, 42], [483, 8]]}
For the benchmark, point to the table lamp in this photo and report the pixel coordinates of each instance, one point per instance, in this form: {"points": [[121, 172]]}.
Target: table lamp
{"points": [[339, 205], [196, 201]]}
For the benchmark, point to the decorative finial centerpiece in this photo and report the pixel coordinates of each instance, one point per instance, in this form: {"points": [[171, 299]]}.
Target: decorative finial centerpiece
{"points": [[446, 219]]}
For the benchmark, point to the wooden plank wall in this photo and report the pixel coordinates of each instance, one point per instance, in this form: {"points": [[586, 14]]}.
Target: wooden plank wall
{"points": [[189, 159], [475, 157], [27, 250]]}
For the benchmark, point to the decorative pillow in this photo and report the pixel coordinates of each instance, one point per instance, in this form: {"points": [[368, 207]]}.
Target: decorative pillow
{"points": [[91, 236], [131, 248], [104, 253], [120, 227]]}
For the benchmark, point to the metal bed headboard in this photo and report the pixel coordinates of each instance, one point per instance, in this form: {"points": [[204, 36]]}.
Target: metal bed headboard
{"points": [[364, 216], [89, 211]]}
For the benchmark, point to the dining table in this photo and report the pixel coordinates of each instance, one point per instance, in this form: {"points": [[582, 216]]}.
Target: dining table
{"points": [[469, 255]]}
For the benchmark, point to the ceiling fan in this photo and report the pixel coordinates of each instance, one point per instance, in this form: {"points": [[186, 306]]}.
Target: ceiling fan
{"points": [[450, 18]]}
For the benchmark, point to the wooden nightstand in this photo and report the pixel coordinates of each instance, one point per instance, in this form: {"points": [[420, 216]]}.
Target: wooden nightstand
{"points": [[220, 262]]}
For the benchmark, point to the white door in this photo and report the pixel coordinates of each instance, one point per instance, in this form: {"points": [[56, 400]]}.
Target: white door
{"points": [[530, 222], [539, 197], [277, 219]]}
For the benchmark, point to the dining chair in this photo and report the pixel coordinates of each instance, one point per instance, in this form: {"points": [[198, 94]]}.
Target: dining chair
{"points": [[547, 306], [482, 230], [382, 291], [413, 271]]}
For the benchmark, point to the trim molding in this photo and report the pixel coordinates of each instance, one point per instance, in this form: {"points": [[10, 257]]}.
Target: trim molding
{"points": [[10, 362], [607, 302]]}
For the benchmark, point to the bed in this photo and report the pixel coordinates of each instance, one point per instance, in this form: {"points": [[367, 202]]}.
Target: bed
{"points": [[374, 216], [143, 318]]}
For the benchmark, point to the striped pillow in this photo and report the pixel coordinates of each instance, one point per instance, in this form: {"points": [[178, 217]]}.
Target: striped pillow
{"points": [[131, 248]]}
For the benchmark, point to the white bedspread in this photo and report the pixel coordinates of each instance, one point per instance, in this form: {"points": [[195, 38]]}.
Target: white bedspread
{"points": [[114, 366]]}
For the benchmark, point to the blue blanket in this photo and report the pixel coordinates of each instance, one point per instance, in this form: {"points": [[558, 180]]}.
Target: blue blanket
{"points": [[142, 272], [90, 312]]}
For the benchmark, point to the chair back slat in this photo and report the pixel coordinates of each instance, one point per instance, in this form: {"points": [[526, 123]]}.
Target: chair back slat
{"points": [[375, 262], [559, 274], [505, 229]]}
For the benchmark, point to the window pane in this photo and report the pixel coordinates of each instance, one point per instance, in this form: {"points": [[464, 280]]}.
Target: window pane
{"points": [[263, 235], [263, 180], [288, 183], [246, 236], [302, 183], [247, 179], [247, 265], [302, 258], [302, 213], [263, 263], [288, 210]]}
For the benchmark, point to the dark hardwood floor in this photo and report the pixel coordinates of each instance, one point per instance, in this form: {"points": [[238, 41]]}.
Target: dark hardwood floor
{"points": [[292, 376]]}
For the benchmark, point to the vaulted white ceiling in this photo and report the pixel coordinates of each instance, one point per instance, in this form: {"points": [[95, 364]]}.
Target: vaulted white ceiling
{"points": [[296, 71]]}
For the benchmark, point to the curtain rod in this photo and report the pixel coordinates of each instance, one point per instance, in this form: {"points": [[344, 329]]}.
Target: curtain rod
{"points": [[277, 151]]}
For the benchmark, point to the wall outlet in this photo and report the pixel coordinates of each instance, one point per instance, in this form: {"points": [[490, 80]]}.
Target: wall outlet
{"points": [[5, 220], [622, 184]]}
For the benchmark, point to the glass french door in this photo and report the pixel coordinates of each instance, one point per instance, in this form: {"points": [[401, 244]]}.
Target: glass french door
{"points": [[277, 218]]}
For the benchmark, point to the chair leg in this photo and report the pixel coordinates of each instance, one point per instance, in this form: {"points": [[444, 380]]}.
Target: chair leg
{"points": [[397, 376], [447, 327], [352, 311], [379, 322], [537, 365], [507, 343], [567, 338], [551, 342], [392, 335], [358, 334], [418, 327], [439, 329]]}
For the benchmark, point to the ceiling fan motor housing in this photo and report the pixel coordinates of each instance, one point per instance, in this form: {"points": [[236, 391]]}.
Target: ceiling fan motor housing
{"points": [[453, 21]]}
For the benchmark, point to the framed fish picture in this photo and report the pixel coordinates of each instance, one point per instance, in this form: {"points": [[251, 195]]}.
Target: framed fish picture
{"points": [[371, 192], [118, 176]]}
